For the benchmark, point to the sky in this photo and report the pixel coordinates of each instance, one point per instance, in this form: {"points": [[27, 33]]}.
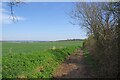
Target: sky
{"points": [[44, 21]]}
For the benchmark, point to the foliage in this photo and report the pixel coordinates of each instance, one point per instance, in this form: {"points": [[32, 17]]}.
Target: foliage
{"points": [[89, 59], [34, 60], [102, 20]]}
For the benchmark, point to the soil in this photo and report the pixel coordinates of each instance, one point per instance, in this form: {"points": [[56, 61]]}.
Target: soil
{"points": [[74, 66]]}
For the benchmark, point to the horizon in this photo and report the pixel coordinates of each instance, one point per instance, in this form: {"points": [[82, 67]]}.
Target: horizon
{"points": [[44, 40], [43, 21]]}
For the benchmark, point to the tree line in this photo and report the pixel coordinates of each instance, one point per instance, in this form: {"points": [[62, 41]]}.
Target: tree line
{"points": [[102, 22]]}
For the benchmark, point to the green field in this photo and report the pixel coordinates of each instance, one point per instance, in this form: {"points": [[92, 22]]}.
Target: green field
{"points": [[34, 59]]}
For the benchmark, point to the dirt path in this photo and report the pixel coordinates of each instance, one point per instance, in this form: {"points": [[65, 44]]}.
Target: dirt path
{"points": [[74, 67]]}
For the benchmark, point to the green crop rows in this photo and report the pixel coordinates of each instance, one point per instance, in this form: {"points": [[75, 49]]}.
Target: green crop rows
{"points": [[34, 59]]}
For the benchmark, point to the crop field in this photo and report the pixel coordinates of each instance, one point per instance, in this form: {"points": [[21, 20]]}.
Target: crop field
{"points": [[34, 59]]}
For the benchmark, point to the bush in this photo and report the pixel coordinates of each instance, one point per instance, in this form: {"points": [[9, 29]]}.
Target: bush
{"points": [[105, 55]]}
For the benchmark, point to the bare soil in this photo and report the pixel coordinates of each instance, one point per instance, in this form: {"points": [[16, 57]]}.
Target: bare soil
{"points": [[74, 66]]}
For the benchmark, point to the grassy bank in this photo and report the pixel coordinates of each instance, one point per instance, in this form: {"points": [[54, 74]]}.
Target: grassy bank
{"points": [[88, 58], [25, 61]]}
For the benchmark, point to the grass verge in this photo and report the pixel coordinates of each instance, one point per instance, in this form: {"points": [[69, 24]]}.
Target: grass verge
{"points": [[34, 65], [90, 60]]}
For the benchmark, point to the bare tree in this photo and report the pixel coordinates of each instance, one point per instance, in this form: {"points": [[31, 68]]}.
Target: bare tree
{"points": [[12, 4], [102, 22], [93, 17]]}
